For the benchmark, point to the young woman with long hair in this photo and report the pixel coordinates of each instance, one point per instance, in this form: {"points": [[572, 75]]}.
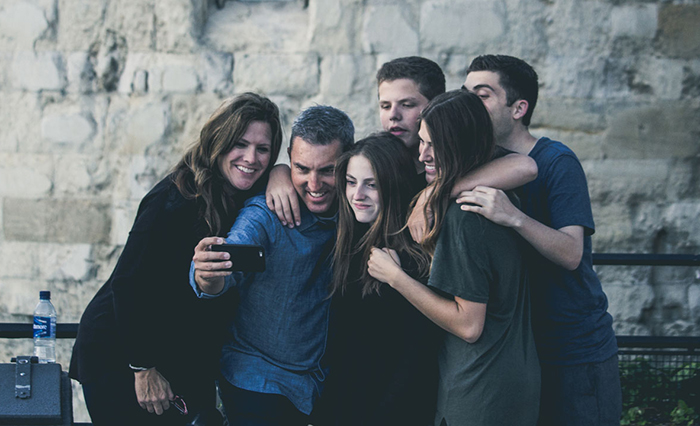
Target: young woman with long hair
{"points": [[381, 350], [145, 337], [477, 291]]}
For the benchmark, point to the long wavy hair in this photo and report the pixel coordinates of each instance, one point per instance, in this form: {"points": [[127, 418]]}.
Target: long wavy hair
{"points": [[396, 181], [197, 174], [461, 132]]}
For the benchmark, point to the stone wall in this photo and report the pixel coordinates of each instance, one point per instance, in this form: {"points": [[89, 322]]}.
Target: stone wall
{"points": [[99, 98]]}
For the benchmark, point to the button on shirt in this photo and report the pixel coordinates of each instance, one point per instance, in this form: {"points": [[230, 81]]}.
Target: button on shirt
{"points": [[279, 331]]}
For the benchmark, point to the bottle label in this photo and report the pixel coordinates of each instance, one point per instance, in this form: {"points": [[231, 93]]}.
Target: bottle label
{"points": [[44, 327]]}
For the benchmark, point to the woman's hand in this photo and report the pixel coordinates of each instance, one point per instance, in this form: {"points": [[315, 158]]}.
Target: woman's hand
{"points": [[384, 265], [281, 197], [416, 221], [209, 266], [153, 392]]}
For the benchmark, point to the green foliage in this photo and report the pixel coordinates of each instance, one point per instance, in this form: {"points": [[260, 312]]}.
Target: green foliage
{"points": [[654, 396]]}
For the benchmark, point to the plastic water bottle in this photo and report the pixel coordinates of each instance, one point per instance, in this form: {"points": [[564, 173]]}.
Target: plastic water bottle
{"points": [[45, 329]]}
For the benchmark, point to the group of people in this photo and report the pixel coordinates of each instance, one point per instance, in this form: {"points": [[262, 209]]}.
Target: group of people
{"points": [[435, 273]]}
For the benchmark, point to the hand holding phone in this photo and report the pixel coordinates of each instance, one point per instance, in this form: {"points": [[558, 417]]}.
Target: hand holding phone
{"points": [[244, 257]]}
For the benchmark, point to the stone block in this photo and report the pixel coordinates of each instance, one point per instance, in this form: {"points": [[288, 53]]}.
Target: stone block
{"points": [[180, 79], [25, 176], [80, 23], [571, 114], [178, 24], [614, 181], [627, 302], [21, 23], [679, 32], [613, 224], [576, 76], [460, 26], [65, 262], [146, 124], [81, 73], [19, 114], [694, 301], [661, 130], [333, 26], [262, 27], [67, 129], [134, 21], [345, 75], [19, 260], [56, 221], [218, 72], [291, 75], [77, 174], [679, 328], [386, 29], [582, 27], [662, 77], [634, 21], [38, 71]]}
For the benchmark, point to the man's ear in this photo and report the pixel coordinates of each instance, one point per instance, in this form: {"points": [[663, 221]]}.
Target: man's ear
{"points": [[520, 108], [289, 153]]}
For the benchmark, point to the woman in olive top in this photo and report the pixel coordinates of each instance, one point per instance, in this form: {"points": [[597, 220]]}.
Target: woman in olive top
{"points": [[477, 291]]}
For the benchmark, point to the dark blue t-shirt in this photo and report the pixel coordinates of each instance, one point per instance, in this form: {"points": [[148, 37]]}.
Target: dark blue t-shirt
{"points": [[570, 318]]}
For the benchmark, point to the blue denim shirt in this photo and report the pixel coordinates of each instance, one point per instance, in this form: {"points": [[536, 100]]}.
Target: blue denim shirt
{"points": [[278, 334]]}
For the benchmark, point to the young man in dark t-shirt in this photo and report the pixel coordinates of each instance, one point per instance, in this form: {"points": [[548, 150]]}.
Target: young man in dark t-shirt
{"points": [[573, 330]]}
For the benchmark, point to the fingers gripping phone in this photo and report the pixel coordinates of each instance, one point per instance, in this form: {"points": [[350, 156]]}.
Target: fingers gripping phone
{"points": [[244, 257]]}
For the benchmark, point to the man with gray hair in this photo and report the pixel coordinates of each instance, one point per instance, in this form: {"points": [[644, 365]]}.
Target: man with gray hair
{"points": [[271, 361]]}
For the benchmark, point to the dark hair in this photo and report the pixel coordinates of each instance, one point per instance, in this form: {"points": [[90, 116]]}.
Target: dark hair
{"points": [[321, 125], [462, 136], [426, 73], [197, 174], [516, 76], [395, 177]]}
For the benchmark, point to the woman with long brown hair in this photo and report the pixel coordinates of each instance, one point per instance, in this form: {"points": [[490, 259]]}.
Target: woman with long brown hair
{"points": [[477, 291], [145, 339], [381, 350]]}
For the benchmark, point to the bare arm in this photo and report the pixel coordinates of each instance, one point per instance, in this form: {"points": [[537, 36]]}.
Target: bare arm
{"points": [[507, 172], [208, 266], [281, 197], [563, 246], [463, 318]]}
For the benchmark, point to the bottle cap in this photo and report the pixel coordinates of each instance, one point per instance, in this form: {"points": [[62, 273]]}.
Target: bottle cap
{"points": [[45, 295]]}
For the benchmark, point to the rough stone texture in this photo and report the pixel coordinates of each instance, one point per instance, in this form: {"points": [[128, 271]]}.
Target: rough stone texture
{"points": [[100, 98], [679, 32], [292, 75]]}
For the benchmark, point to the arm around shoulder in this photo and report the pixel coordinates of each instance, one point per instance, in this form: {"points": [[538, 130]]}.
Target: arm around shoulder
{"points": [[507, 172]]}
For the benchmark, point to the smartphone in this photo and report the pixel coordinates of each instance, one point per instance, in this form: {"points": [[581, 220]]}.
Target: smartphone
{"points": [[245, 257]]}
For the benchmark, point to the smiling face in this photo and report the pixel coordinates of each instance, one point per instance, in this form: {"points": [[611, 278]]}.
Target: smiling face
{"points": [[249, 158], [427, 155], [400, 104], [313, 173], [361, 189]]}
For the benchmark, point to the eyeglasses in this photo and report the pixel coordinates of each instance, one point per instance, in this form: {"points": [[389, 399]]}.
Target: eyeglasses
{"points": [[180, 405]]}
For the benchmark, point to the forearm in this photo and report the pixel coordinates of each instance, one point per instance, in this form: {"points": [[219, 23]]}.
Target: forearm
{"points": [[445, 313], [562, 247], [507, 172]]}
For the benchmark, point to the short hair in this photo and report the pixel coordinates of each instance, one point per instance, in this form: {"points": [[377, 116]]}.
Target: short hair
{"points": [[517, 78], [426, 73], [323, 124]]}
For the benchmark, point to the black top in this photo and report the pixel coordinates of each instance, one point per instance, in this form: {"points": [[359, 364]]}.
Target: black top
{"points": [[147, 314], [382, 355]]}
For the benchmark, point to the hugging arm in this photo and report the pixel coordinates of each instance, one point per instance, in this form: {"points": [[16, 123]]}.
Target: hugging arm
{"points": [[507, 172], [281, 197], [463, 318]]}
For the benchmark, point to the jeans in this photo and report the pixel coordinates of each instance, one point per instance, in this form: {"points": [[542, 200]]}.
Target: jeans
{"points": [[581, 395], [247, 408]]}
